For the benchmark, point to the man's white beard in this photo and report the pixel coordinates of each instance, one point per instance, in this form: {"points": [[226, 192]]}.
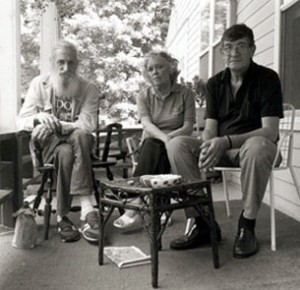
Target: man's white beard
{"points": [[65, 87]]}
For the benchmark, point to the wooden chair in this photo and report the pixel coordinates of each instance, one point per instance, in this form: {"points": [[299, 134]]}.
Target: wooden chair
{"points": [[47, 175], [106, 160], [285, 149], [113, 154]]}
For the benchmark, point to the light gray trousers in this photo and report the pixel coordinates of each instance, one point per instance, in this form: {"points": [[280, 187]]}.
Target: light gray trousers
{"points": [[255, 158], [71, 155]]}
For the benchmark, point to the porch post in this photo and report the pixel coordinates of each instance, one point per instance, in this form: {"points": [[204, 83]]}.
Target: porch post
{"points": [[10, 99], [231, 13], [50, 33]]}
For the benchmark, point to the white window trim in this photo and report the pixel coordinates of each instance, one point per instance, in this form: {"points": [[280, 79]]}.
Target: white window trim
{"points": [[285, 4]]}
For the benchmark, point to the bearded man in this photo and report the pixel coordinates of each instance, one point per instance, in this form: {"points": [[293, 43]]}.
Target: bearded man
{"points": [[60, 110]]}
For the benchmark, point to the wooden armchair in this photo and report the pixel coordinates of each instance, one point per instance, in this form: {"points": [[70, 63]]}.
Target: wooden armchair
{"points": [[112, 152]]}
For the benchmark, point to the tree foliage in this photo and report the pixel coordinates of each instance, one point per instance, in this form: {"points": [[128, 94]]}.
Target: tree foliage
{"points": [[111, 37]]}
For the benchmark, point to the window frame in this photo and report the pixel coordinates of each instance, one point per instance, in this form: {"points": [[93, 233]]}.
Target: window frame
{"points": [[213, 43]]}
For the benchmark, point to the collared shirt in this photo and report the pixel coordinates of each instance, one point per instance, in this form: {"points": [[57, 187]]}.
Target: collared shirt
{"points": [[259, 96], [169, 113]]}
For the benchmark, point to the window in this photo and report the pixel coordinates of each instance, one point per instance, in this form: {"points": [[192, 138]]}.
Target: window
{"points": [[211, 61], [205, 16], [290, 56], [220, 19]]}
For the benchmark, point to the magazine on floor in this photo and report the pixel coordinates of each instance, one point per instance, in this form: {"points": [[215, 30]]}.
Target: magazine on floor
{"points": [[126, 256]]}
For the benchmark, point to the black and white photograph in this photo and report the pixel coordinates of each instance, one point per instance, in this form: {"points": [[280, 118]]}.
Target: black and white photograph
{"points": [[149, 144]]}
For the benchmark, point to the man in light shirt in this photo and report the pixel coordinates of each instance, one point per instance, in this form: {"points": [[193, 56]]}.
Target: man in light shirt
{"points": [[60, 109]]}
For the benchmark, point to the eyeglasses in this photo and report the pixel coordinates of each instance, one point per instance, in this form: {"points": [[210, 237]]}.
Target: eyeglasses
{"points": [[240, 48]]}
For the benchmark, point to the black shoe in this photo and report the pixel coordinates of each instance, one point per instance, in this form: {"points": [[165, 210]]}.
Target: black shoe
{"points": [[68, 232], [245, 244], [194, 238]]}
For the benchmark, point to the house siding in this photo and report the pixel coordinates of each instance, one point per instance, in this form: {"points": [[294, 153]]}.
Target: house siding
{"points": [[183, 39]]}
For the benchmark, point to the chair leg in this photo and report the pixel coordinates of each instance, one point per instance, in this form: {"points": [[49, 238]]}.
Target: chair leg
{"points": [[95, 187], [272, 208], [40, 193], [226, 195], [48, 206]]}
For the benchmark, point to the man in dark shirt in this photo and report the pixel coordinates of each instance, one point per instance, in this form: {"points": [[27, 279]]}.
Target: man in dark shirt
{"points": [[244, 105]]}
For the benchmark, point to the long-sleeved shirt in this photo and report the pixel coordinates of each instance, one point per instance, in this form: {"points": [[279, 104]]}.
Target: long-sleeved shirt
{"points": [[41, 98]]}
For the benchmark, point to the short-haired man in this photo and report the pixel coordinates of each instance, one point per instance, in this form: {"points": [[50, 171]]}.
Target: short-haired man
{"points": [[60, 109], [244, 105]]}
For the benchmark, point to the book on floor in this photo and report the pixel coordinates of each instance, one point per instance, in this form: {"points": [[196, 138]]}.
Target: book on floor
{"points": [[126, 256]]}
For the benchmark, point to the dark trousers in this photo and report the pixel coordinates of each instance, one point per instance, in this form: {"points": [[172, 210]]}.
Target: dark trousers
{"points": [[153, 159]]}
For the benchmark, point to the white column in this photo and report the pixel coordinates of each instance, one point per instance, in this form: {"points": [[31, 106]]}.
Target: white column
{"points": [[211, 38], [10, 99], [50, 33], [231, 13], [277, 36]]}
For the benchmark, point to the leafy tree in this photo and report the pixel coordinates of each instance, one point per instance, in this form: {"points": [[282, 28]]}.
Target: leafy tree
{"points": [[111, 36]]}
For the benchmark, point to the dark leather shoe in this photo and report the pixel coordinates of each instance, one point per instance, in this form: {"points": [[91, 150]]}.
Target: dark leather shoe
{"points": [[245, 244], [196, 237]]}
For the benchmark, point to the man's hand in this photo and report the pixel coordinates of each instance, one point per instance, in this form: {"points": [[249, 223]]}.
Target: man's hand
{"points": [[40, 133], [50, 122], [211, 152]]}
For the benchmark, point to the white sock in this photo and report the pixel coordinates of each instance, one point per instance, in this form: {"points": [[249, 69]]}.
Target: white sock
{"points": [[86, 205]]}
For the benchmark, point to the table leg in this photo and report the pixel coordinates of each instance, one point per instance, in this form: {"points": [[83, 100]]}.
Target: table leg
{"points": [[48, 206], [153, 231], [213, 230]]}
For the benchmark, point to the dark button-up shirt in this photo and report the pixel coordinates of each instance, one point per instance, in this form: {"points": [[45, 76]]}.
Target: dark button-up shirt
{"points": [[259, 96]]}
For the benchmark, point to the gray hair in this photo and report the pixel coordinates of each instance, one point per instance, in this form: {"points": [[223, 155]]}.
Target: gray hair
{"points": [[173, 62], [63, 44]]}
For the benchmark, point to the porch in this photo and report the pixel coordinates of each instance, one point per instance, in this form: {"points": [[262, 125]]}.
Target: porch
{"points": [[53, 264]]}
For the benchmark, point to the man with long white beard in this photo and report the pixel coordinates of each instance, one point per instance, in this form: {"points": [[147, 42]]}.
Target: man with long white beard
{"points": [[60, 110]]}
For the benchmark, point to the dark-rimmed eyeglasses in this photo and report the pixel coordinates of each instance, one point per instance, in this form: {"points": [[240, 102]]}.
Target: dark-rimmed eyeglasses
{"points": [[240, 48]]}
